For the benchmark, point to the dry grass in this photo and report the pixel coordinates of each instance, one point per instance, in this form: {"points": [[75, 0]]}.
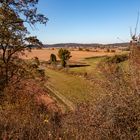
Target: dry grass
{"points": [[27, 112], [116, 116], [44, 54]]}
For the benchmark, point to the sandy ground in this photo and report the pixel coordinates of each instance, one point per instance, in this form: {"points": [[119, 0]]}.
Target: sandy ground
{"points": [[44, 54]]}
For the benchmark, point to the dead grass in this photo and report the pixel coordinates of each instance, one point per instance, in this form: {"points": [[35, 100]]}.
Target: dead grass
{"points": [[44, 54]]}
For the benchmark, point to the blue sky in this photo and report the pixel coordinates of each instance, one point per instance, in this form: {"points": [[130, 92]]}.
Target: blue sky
{"points": [[87, 21]]}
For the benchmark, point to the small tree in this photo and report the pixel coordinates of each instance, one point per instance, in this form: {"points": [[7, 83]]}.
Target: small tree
{"points": [[80, 49], [64, 55], [108, 50], [53, 58]]}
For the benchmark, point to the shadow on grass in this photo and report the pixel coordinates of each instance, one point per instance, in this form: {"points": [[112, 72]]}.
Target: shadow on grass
{"points": [[78, 65]]}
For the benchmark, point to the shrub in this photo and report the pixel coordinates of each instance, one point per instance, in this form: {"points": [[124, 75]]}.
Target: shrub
{"points": [[116, 58], [113, 51], [41, 72], [53, 58], [87, 50], [36, 60], [22, 116], [35, 63], [108, 50], [80, 49]]}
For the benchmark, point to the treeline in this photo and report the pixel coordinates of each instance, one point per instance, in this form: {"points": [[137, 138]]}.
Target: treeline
{"points": [[76, 45]]}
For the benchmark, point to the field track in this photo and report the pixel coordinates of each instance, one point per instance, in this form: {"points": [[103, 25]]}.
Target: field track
{"points": [[68, 104]]}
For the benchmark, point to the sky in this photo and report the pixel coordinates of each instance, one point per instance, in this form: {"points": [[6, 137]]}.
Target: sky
{"points": [[87, 21]]}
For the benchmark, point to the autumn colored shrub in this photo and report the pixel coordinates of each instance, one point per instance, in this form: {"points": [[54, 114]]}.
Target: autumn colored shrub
{"points": [[116, 58], [53, 58], [21, 117], [113, 51], [87, 49], [80, 49]]}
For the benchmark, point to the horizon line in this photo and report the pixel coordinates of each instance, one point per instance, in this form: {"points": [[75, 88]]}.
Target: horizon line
{"points": [[85, 43]]}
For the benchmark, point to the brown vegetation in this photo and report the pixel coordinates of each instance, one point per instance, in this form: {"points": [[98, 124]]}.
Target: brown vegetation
{"points": [[44, 54], [28, 113], [117, 114]]}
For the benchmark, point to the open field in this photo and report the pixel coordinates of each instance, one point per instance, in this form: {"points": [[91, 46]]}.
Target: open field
{"points": [[73, 85], [44, 54], [76, 89], [73, 88]]}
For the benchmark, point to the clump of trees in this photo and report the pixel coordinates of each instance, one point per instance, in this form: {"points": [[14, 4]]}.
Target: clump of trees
{"points": [[116, 58], [64, 55]]}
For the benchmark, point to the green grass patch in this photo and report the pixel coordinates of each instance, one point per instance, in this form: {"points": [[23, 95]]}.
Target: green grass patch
{"points": [[74, 88], [91, 69]]}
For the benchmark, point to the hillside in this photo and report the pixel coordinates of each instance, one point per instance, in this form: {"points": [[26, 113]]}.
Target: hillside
{"points": [[76, 45]]}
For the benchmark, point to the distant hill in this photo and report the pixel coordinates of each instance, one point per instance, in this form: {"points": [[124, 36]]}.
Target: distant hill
{"points": [[63, 45], [118, 44], [77, 45]]}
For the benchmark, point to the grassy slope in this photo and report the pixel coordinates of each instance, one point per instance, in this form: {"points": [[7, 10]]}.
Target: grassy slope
{"points": [[74, 88]]}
